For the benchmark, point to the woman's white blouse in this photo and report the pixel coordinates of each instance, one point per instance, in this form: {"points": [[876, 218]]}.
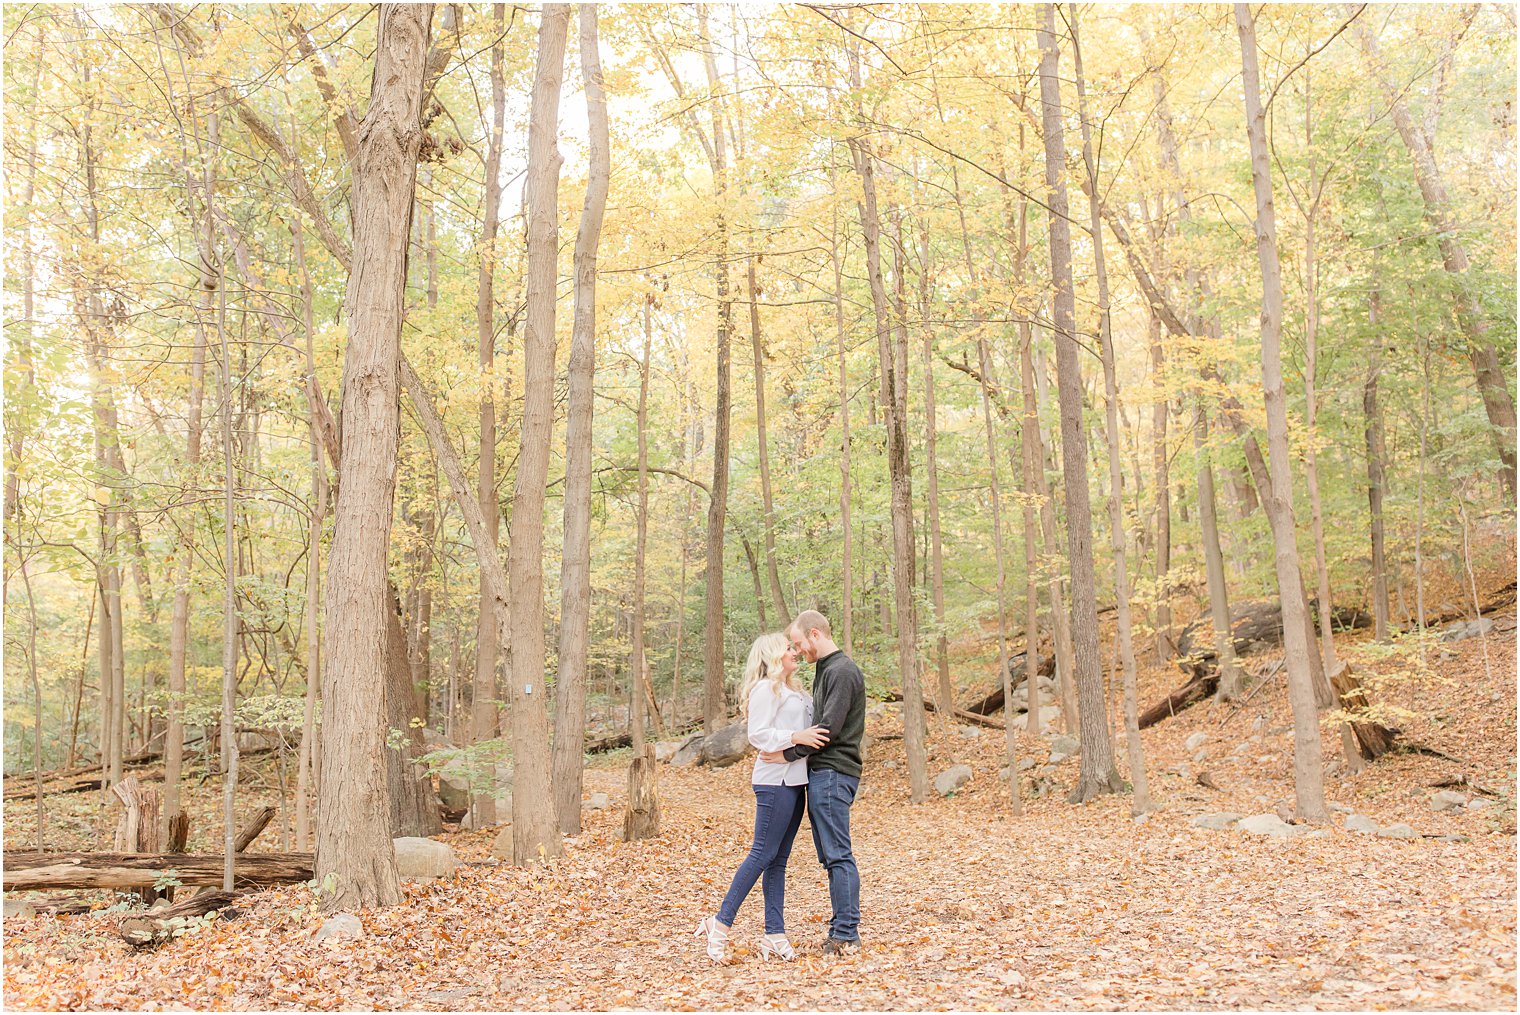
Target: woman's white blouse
{"points": [[772, 721]]}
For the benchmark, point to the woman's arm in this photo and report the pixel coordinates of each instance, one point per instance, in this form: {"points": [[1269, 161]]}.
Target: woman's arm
{"points": [[764, 707]]}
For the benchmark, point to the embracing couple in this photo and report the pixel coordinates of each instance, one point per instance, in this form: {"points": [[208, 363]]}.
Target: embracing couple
{"points": [[809, 756]]}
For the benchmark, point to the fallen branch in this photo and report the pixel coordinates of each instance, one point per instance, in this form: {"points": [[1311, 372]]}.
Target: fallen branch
{"points": [[959, 713], [158, 926]]}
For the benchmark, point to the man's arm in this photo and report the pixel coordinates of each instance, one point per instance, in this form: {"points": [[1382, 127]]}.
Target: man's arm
{"points": [[833, 709]]}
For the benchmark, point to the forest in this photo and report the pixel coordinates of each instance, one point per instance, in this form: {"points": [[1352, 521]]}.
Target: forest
{"points": [[413, 413]]}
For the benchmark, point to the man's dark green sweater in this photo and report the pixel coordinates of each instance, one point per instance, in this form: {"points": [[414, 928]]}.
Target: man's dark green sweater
{"points": [[839, 703]]}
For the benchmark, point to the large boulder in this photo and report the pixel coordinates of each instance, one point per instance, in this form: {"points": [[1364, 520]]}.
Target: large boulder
{"points": [[726, 746], [1361, 824], [1215, 822], [1447, 800], [423, 858], [689, 752], [453, 792], [1063, 747], [1266, 824], [952, 779], [664, 750]]}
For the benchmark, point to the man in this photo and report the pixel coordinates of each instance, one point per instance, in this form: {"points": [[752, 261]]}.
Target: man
{"points": [[839, 704]]}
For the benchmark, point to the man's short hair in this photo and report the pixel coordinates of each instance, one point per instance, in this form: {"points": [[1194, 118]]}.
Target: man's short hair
{"points": [[809, 620]]}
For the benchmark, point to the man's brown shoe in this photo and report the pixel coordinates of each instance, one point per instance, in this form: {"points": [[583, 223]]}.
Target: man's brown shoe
{"points": [[834, 946]]}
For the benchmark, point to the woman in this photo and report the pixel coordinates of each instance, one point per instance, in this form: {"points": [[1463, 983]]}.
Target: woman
{"points": [[779, 712]]}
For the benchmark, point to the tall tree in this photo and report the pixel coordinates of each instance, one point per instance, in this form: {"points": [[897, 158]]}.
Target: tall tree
{"points": [[1140, 802], [894, 410], [1098, 774], [535, 828], [575, 581], [353, 840], [1488, 370], [483, 709], [1308, 777]]}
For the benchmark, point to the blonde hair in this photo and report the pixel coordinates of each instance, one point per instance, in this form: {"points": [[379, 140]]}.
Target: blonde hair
{"points": [[765, 664]]}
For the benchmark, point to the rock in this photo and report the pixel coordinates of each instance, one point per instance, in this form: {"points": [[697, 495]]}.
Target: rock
{"points": [[889, 765], [1399, 831], [666, 749], [1453, 838], [159, 904], [1215, 822], [19, 907], [1341, 808], [689, 752], [1478, 803], [952, 779], [454, 792], [502, 847], [1141, 819], [1025, 764], [1314, 833], [876, 711], [423, 858], [1049, 715], [597, 802], [866, 740], [341, 927], [1448, 800], [433, 740], [726, 746], [1361, 824], [1064, 747], [1463, 629], [970, 732], [1195, 741], [1199, 756], [1266, 824]]}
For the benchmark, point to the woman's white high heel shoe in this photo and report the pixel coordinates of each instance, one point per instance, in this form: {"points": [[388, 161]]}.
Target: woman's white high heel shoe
{"points": [[717, 939], [777, 946]]}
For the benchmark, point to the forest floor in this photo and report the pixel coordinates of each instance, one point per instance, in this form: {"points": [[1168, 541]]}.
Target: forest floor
{"points": [[964, 906]]}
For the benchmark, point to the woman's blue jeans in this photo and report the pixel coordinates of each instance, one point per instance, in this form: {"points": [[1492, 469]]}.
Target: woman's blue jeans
{"points": [[778, 814]]}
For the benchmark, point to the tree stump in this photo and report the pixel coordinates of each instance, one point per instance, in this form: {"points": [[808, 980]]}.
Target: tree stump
{"points": [[642, 818], [157, 927], [137, 828], [1372, 740]]}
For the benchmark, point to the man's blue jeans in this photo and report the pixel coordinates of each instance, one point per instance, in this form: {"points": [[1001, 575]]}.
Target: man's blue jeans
{"points": [[829, 797], [778, 815]]}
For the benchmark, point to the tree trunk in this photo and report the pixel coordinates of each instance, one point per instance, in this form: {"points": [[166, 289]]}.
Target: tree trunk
{"points": [[483, 707], [1376, 455], [353, 840], [636, 661], [1010, 736], [767, 507], [535, 831], [914, 734], [847, 579], [1230, 678], [931, 463], [575, 567], [1308, 777], [1098, 774], [413, 804], [1141, 801], [230, 627], [714, 661]]}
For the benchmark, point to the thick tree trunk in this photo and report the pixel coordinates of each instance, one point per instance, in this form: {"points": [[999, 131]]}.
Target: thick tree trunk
{"points": [[535, 828], [914, 734], [575, 567], [413, 804], [1308, 777], [1140, 801], [483, 707], [353, 838], [1098, 774]]}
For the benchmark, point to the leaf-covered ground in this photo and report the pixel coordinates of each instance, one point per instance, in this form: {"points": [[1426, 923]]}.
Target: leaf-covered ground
{"points": [[964, 905]]}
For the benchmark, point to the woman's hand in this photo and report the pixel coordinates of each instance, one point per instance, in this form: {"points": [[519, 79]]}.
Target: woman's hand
{"points": [[814, 737]]}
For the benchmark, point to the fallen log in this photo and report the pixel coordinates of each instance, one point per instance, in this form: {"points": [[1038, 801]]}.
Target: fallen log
{"points": [[959, 713], [993, 702], [1191, 693], [158, 926], [250, 831], [1255, 625], [30, 870], [621, 740]]}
